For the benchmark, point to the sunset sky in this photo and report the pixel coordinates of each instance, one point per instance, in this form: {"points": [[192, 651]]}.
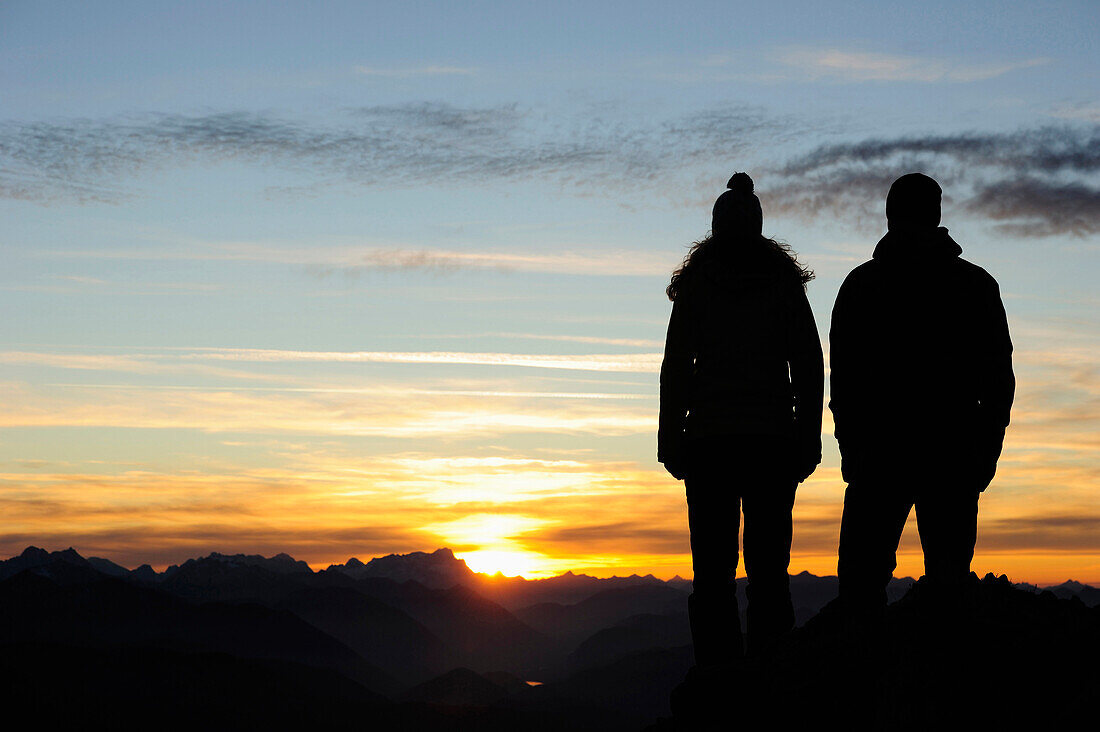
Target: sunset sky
{"points": [[347, 279]]}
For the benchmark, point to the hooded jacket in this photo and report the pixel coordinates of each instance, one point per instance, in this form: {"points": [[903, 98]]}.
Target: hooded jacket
{"points": [[920, 360], [742, 357]]}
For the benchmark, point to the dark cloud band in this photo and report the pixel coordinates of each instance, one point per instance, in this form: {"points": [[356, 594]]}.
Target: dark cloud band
{"points": [[1030, 183], [1035, 182], [390, 146]]}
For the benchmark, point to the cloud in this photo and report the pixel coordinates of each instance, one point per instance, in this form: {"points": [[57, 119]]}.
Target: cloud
{"points": [[1088, 111], [408, 71], [633, 342], [617, 263], [860, 66], [81, 285], [162, 543], [394, 415], [395, 146], [640, 535], [318, 504], [388, 390], [357, 259], [628, 363], [135, 363], [1034, 208], [1037, 150], [84, 361], [1034, 182], [159, 362], [323, 502]]}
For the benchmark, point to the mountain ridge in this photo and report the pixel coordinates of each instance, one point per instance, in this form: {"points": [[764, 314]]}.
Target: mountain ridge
{"points": [[438, 569]]}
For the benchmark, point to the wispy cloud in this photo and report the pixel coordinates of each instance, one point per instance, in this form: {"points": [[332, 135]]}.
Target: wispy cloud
{"points": [[1040, 150], [859, 66], [1048, 172], [324, 507], [322, 500], [407, 71], [1087, 111], [381, 146], [388, 390], [355, 259], [629, 363], [601, 340], [1030, 206], [70, 285], [327, 509], [81, 280], [82, 361], [162, 361], [394, 415], [1036, 182]]}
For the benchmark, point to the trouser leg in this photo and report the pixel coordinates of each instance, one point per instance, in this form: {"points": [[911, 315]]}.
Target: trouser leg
{"points": [[948, 524], [713, 517], [767, 540], [947, 520], [874, 517]]}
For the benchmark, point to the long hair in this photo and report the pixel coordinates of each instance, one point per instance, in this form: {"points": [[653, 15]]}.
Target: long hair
{"points": [[754, 252]]}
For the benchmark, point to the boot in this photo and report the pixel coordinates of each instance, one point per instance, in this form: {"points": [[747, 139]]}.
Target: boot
{"points": [[715, 628], [769, 618]]}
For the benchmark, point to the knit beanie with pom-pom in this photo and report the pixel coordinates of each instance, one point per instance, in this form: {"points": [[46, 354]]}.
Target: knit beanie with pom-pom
{"points": [[737, 211]]}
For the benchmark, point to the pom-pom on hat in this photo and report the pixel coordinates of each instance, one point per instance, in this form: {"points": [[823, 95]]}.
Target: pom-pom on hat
{"points": [[737, 211]]}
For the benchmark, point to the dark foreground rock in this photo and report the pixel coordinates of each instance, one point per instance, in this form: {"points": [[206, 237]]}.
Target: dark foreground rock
{"points": [[989, 656]]}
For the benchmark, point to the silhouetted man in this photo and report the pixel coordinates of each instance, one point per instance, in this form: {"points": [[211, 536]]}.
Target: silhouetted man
{"points": [[921, 386]]}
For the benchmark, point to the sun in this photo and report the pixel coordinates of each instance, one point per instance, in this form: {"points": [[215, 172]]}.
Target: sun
{"points": [[497, 549], [508, 563]]}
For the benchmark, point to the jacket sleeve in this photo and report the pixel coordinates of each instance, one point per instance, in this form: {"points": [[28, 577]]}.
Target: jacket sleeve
{"points": [[842, 358], [807, 377], [676, 372], [996, 382]]}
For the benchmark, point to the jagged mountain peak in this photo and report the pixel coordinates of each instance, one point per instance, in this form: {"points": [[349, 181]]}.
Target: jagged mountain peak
{"points": [[34, 558], [281, 563], [145, 573], [33, 552], [438, 569]]}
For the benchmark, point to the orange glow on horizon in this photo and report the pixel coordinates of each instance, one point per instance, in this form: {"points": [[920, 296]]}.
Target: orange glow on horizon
{"points": [[509, 564], [520, 504], [1051, 569]]}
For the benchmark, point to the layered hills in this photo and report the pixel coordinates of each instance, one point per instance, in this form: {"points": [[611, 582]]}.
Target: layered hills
{"points": [[415, 640]]}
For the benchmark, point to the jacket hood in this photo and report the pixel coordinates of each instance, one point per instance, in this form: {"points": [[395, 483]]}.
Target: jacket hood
{"points": [[917, 246]]}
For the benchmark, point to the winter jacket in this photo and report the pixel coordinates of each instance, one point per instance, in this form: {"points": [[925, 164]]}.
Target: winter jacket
{"points": [[920, 361], [742, 357]]}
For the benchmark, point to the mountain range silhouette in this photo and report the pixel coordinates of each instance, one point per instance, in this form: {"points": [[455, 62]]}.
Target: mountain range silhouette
{"points": [[419, 641]]}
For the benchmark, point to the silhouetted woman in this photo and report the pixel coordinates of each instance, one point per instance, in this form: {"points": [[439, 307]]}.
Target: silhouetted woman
{"points": [[741, 391]]}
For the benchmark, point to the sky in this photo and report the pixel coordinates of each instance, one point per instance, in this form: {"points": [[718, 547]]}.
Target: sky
{"points": [[349, 279]]}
